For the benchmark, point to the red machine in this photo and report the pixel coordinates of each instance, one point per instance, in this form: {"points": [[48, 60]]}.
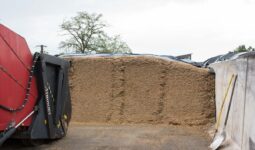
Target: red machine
{"points": [[15, 64], [33, 100]]}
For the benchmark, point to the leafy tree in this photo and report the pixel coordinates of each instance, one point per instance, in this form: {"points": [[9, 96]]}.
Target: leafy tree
{"points": [[106, 44], [242, 48], [251, 48], [85, 34]]}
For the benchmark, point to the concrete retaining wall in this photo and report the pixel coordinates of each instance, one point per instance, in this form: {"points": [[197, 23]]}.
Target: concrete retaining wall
{"points": [[241, 123]]}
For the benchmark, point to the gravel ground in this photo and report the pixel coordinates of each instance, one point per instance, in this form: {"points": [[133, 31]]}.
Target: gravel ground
{"points": [[124, 137]]}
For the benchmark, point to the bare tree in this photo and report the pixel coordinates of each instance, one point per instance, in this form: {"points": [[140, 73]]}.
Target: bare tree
{"points": [[85, 34]]}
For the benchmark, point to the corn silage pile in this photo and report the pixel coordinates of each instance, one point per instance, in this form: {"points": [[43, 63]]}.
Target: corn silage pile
{"points": [[140, 89]]}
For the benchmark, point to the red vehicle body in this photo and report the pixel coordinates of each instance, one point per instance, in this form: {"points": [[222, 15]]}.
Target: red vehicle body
{"points": [[35, 102], [15, 63]]}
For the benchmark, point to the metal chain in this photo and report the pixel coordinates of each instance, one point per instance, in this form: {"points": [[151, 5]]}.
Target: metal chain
{"points": [[28, 89]]}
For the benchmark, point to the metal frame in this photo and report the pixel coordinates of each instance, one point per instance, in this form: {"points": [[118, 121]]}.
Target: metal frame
{"points": [[54, 104]]}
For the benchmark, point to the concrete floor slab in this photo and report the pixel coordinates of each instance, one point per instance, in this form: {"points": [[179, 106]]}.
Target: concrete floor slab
{"points": [[124, 137]]}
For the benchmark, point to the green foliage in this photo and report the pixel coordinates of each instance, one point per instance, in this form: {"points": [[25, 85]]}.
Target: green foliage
{"points": [[242, 48], [85, 34], [106, 44]]}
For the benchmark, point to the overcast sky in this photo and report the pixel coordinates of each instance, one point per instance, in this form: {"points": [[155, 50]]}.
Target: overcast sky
{"points": [[204, 28]]}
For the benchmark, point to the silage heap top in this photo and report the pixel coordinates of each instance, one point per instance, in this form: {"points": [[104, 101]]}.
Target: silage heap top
{"points": [[140, 89]]}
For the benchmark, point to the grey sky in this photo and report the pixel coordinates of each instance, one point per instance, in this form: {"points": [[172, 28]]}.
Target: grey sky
{"points": [[172, 27]]}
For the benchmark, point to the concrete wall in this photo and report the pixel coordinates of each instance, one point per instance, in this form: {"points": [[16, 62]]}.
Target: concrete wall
{"points": [[241, 123]]}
